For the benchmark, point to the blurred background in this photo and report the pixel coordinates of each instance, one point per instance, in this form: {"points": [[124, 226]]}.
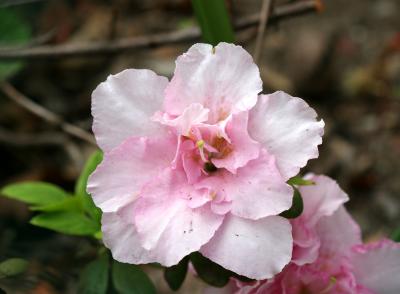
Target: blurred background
{"points": [[343, 58]]}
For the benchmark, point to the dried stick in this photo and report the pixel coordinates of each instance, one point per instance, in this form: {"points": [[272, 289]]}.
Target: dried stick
{"points": [[265, 9], [45, 114], [155, 40]]}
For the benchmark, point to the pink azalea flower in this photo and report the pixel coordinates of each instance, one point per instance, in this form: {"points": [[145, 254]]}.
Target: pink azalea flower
{"points": [[200, 163], [336, 262]]}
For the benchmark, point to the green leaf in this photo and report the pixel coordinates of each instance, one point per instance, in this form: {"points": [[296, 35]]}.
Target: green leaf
{"points": [[66, 222], [130, 279], [13, 267], [396, 235], [175, 275], [71, 203], [34, 193], [94, 277], [297, 206], [90, 165], [80, 187], [214, 21], [13, 31], [210, 272], [98, 235], [299, 181]]}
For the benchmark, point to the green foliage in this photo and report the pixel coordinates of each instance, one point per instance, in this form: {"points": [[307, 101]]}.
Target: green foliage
{"points": [[60, 212], [35, 193], [13, 267], [396, 235], [94, 277], [13, 31], [297, 206], [214, 21], [80, 187], [130, 279], [67, 204], [299, 181], [67, 222], [210, 272], [175, 275]]}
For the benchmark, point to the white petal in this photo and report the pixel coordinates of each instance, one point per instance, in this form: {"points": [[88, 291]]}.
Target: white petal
{"points": [[338, 233], [125, 169], [123, 241], [165, 223], [123, 104], [377, 266], [321, 199], [224, 79], [255, 249], [288, 129]]}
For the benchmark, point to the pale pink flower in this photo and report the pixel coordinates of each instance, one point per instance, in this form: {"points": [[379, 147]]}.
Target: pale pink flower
{"points": [[200, 163], [337, 262]]}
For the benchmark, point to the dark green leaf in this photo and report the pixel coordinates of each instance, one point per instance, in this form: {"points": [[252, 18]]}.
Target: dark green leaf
{"points": [[396, 235], [94, 277], [13, 31], [299, 181], [214, 21], [175, 275], [130, 279], [80, 187], [66, 222], [12, 267], [210, 272], [34, 193], [297, 206]]}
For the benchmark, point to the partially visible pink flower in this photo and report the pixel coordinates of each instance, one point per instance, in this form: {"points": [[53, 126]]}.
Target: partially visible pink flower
{"points": [[337, 262], [200, 163]]}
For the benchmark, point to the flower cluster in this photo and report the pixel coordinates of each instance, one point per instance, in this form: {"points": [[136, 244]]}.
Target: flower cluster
{"points": [[200, 163], [328, 255]]}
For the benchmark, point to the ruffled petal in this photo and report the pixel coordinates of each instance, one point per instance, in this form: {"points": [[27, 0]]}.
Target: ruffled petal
{"points": [[377, 266], [125, 169], [123, 240], [165, 223], [223, 79], [123, 104], [243, 147], [321, 199], [192, 115], [287, 127], [256, 190], [255, 249], [338, 234]]}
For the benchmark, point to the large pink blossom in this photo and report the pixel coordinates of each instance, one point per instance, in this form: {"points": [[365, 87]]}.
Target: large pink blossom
{"points": [[200, 163], [331, 257]]}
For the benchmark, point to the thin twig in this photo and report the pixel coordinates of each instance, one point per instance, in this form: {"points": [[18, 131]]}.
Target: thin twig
{"points": [[264, 14], [28, 139], [36, 41], [45, 114], [155, 40], [8, 3], [44, 139]]}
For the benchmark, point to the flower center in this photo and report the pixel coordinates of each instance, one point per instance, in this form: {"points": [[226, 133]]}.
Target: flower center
{"points": [[208, 146]]}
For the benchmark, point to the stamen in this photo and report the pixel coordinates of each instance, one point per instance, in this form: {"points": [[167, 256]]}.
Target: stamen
{"points": [[200, 145], [213, 194], [332, 282]]}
